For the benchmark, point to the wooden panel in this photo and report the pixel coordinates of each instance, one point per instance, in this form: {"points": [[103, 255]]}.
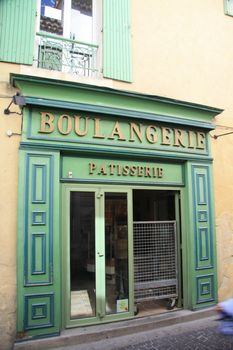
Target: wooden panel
{"points": [[202, 218], [205, 288], [39, 220], [204, 236], [39, 183], [39, 311], [38, 253]]}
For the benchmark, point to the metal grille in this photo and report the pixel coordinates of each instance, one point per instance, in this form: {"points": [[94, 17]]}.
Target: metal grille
{"points": [[66, 55], [155, 259]]}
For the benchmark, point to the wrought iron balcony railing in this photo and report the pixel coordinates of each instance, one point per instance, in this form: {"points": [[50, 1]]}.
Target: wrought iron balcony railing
{"points": [[66, 55]]}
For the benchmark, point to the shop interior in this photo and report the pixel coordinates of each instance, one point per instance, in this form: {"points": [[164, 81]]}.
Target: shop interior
{"points": [[155, 253]]}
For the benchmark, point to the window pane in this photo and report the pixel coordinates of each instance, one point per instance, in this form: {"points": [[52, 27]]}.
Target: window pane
{"points": [[81, 20], [51, 16], [82, 254], [116, 246]]}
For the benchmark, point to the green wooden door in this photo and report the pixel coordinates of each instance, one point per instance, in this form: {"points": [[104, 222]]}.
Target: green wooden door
{"points": [[201, 247], [38, 246], [97, 250]]}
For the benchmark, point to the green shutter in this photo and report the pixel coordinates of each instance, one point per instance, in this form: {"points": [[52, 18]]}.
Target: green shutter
{"points": [[17, 30], [117, 40], [228, 7]]}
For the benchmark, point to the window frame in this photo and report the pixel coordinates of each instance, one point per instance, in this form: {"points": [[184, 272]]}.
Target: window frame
{"points": [[96, 33], [96, 17]]}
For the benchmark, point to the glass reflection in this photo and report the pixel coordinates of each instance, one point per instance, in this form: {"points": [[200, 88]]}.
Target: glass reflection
{"points": [[82, 254], [116, 250]]}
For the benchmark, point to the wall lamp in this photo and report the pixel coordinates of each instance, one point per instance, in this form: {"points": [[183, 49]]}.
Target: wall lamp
{"points": [[17, 100]]}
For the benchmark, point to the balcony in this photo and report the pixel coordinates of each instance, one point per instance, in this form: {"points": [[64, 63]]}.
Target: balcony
{"points": [[66, 55]]}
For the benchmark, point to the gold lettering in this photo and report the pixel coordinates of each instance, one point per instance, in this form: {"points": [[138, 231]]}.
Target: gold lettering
{"points": [[151, 137], [178, 138], [92, 167], [140, 171], [46, 122], [165, 136], [190, 139], [116, 131], [200, 140], [133, 170], [97, 133], [83, 126], [135, 129], [68, 122], [77, 125], [118, 170], [160, 172], [125, 170], [147, 171], [112, 167], [102, 170]]}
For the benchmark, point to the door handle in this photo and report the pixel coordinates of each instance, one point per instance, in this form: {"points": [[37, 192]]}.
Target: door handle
{"points": [[100, 255]]}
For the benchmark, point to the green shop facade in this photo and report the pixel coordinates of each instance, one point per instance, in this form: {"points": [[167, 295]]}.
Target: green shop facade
{"points": [[115, 205]]}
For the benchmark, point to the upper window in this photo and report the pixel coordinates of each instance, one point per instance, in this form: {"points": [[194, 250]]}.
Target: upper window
{"points": [[70, 18], [82, 37], [74, 22], [51, 17]]}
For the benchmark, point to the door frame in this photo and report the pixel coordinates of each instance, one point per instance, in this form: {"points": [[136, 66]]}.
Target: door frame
{"points": [[182, 242]]}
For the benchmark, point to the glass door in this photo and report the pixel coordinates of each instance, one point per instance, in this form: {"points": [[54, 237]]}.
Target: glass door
{"points": [[116, 251], [82, 255], [97, 255]]}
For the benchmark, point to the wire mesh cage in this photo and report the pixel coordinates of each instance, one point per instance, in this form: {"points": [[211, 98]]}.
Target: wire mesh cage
{"points": [[155, 260]]}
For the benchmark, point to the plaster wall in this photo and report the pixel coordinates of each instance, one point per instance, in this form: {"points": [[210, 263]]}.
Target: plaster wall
{"points": [[8, 208]]}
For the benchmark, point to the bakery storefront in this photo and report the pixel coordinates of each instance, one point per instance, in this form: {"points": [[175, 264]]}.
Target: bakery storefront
{"points": [[115, 212]]}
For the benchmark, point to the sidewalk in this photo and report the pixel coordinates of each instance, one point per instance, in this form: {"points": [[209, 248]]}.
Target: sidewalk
{"points": [[123, 333], [193, 335]]}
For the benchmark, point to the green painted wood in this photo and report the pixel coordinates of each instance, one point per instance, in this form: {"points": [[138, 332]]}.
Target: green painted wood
{"points": [[69, 95], [202, 269], [121, 171], [90, 130], [38, 247], [179, 248], [117, 40], [17, 30], [228, 7], [31, 101]]}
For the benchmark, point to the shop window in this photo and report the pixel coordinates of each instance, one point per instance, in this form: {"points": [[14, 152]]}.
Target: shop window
{"points": [[228, 7]]}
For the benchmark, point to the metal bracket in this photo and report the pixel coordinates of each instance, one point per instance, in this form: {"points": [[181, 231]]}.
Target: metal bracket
{"points": [[17, 100]]}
